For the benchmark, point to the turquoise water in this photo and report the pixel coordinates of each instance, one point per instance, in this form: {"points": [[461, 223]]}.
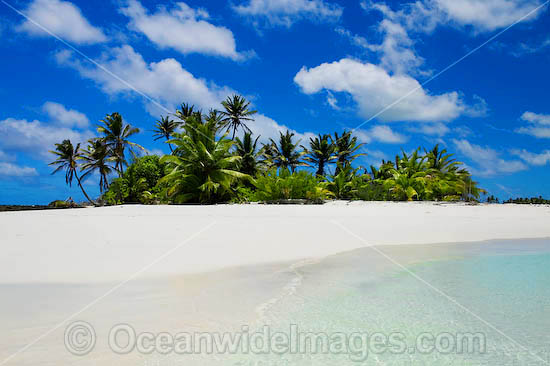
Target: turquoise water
{"points": [[497, 291]]}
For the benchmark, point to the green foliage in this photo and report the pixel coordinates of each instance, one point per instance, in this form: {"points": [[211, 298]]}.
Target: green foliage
{"points": [[118, 192], [67, 157], [346, 149], [246, 149], [236, 113], [140, 177], [115, 133], [528, 201], [285, 154], [321, 152], [271, 186], [202, 169]]}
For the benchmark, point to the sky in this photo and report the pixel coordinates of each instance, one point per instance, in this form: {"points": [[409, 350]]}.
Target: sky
{"points": [[470, 75]]}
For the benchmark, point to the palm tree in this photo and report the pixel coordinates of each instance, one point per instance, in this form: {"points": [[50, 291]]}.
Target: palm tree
{"points": [[164, 128], [320, 153], [115, 134], [185, 112], [67, 157], [246, 149], [236, 112], [346, 148], [284, 155], [203, 168], [96, 158]]}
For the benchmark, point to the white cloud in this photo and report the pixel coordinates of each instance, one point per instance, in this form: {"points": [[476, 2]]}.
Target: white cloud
{"points": [[183, 29], [286, 12], [539, 125], [487, 15], [488, 161], [538, 132], [382, 134], [62, 18], [12, 170], [36, 138], [431, 129], [532, 158], [542, 119], [66, 117], [268, 128], [6, 157], [481, 15], [166, 81], [373, 89]]}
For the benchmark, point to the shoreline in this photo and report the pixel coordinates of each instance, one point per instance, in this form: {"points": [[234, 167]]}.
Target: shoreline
{"points": [[111, 243]]}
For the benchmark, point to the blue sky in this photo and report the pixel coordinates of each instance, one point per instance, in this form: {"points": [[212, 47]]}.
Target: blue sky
{"points": [[313, 66]]}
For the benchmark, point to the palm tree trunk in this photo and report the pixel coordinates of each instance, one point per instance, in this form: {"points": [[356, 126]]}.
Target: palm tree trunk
{"points": [[82, 188], [170, 146]]}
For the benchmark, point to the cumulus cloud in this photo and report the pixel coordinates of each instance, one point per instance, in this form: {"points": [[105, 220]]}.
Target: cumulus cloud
{"points": [[12, 170], [373, 89], [488, 161], [542, 119], [268, 128], [66, 117], [166, 81], [488, 15], [62, 18], [481, 15], [539, 125], [287, 12], [431, 129], [380, 133], [183, 29], [36, 138], [533, 158]]}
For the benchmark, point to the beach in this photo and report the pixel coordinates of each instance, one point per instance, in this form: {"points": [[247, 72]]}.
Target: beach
{"points": [[113, 243], [215, 268]]}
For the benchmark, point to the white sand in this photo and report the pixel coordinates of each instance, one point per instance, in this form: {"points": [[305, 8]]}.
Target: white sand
{"points": [[113, 243]]}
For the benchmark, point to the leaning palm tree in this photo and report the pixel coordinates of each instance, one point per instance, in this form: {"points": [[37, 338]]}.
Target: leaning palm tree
{"points": [[321, 152], [346, 149], [246, 149], [164, 128], [115, 134], [202, 168], [67, 157], [236, 113], [96, 158], [285, 154]]}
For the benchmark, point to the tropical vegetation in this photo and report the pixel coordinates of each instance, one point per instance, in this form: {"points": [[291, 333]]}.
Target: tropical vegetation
{"points": [[215, 157]]}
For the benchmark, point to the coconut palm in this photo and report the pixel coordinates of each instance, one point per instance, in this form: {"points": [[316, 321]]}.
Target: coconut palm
{"points": [[96, 158], [115, 134], [184, 112], [236, 113], [320, 153], [246, 149], [164, 128], [67, 157], [203, 168], [346, 149], [285, 154]]}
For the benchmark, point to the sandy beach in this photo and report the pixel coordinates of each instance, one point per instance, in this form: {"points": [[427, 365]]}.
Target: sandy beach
{"points": [[113, 243], [214, 268]]}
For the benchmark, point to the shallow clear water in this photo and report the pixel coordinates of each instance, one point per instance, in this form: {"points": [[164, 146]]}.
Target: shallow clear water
{"points": [[386, 305], [499, 292]]}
